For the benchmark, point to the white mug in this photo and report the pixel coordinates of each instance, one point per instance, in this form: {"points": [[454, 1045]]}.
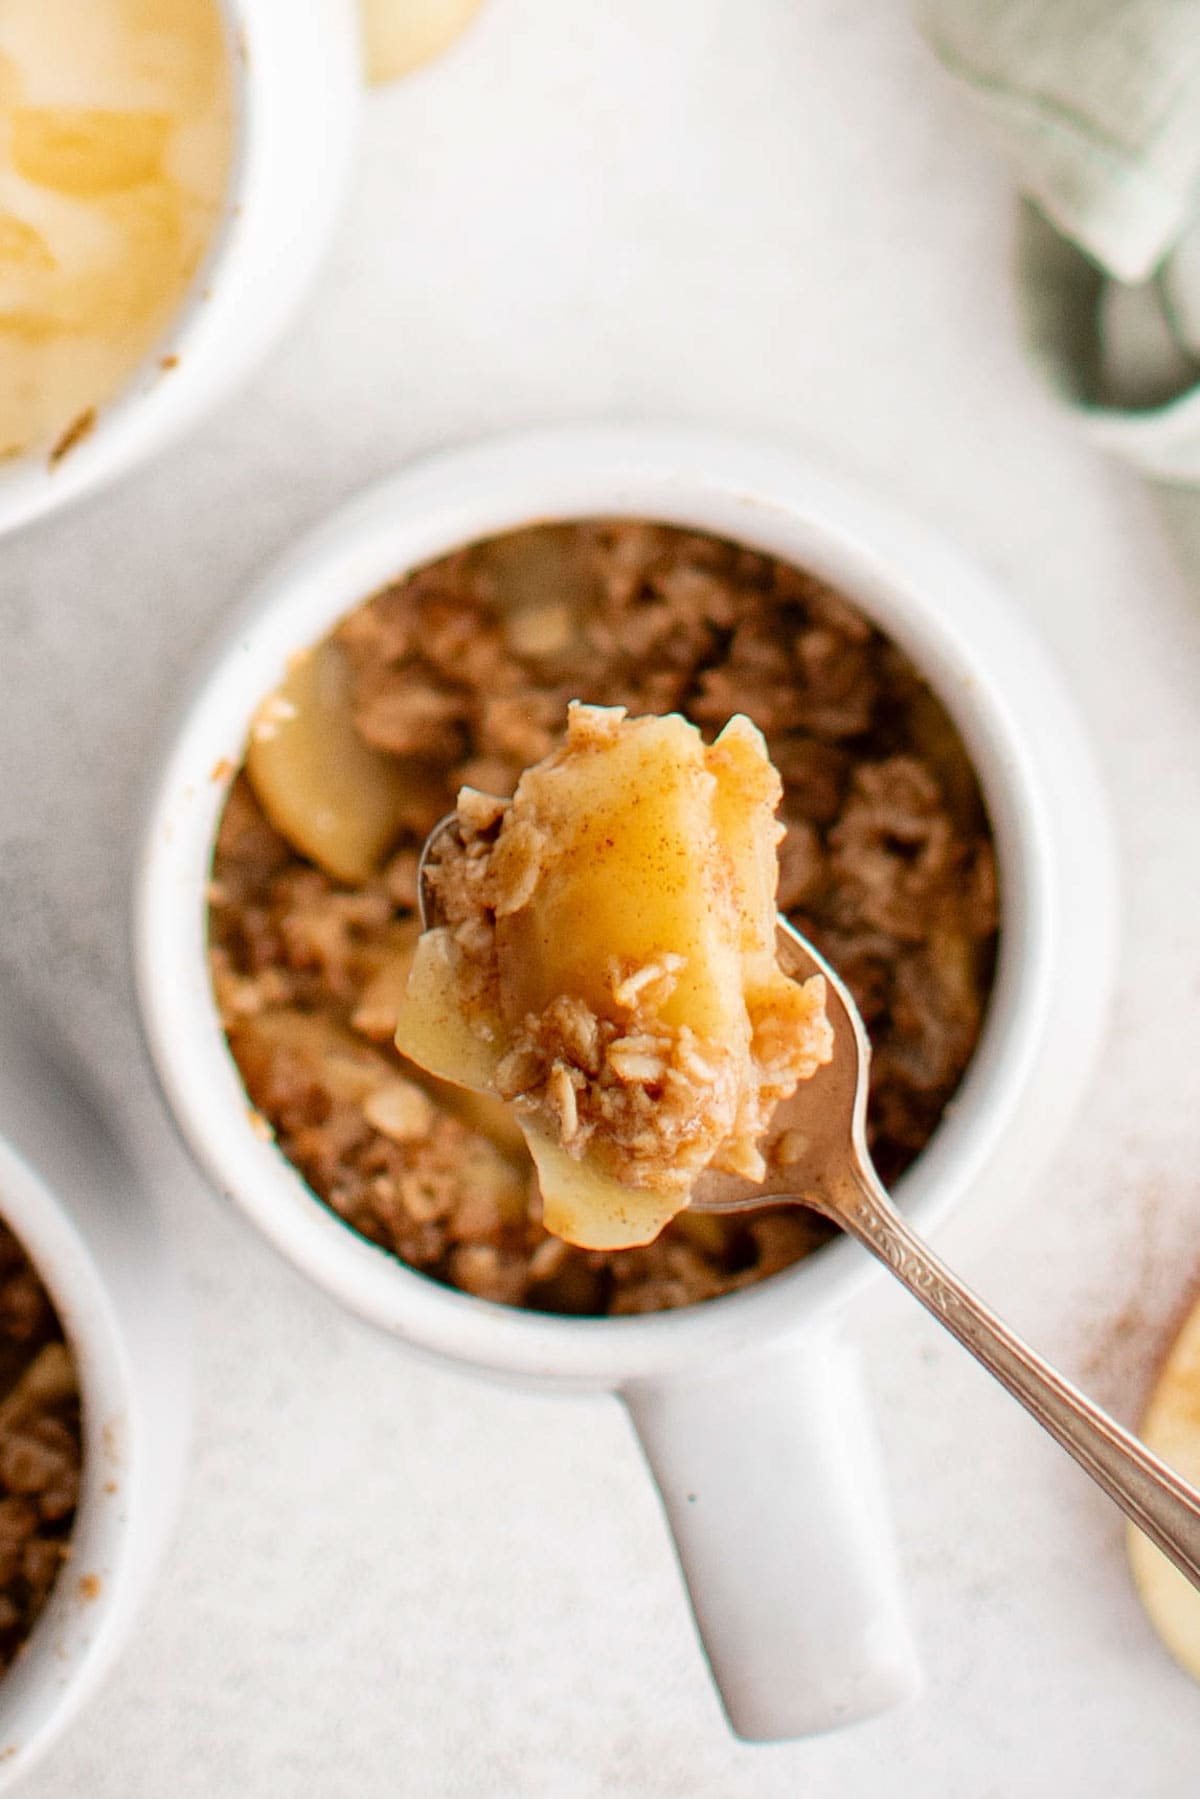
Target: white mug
{"points": [[748, 1406], [71, 1195], [296, 86]]}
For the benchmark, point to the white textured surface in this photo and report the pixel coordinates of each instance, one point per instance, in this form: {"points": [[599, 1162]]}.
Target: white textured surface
{"points": [[387, 1579]]}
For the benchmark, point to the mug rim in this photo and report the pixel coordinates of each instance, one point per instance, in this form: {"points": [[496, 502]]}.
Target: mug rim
{"points": [[935, 604], [182, 371]]}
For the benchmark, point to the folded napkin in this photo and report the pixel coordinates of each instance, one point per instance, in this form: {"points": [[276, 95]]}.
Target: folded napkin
{"points": [[1097, 105]]}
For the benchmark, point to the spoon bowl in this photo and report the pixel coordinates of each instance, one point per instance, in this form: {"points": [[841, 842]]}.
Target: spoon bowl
{"points": [[823, 1122]]}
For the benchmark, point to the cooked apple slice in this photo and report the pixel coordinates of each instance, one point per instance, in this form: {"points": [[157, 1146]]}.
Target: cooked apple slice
{"points": [[434, 1027], [462, 1047], [21, 246], [583, 1205], [400, 35], [12, 84], [607, 964], [278, 1048], [349, 1069], [1171, 1428], [544, 585], [337, 800]]}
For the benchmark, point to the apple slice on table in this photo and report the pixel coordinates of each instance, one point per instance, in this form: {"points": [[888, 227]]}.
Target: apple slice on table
{"points": [[1171, 1428]]}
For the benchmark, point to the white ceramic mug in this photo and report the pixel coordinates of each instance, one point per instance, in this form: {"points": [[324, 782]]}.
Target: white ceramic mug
{"points": [[748, 1407], [296, 85], [75, 1201]]}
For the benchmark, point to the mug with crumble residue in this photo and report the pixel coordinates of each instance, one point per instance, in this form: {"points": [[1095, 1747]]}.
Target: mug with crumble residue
{"points": [[293, 86], [748, 1407]]}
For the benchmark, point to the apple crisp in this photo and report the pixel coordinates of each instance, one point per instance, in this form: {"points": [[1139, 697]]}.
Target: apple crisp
{"points": [[40, 1446], [460, 675], [604, 959]]}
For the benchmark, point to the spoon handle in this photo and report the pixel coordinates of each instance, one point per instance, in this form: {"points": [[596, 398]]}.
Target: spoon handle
{"points": [[1162, 1505]]}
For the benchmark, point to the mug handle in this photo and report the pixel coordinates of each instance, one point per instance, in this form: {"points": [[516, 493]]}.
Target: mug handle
{"points": [[772, 1484]]}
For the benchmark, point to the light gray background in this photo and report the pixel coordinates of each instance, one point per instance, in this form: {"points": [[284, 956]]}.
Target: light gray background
{"points": [[388, 1580]]}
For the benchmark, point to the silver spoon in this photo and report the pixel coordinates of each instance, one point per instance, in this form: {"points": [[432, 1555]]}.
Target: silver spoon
{"points": [[830, 1171]]}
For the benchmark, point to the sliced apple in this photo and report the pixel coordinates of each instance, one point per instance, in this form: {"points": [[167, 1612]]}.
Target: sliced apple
{"points": [[1171, 1428], [544, 585], [434, 1029], [479, 1110], [632, 883], [334, 798], [350, 1069], [583, 1205], [21, 246], [12, 85], [630, 869]]}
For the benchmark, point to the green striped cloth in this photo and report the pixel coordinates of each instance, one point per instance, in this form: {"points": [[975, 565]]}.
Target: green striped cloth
{"points": [[1097, 105]]}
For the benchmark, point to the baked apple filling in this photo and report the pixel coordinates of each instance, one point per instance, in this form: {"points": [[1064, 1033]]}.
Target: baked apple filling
{"points": [[605, 962]]}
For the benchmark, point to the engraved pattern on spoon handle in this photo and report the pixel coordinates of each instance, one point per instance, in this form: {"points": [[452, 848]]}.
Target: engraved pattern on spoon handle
{"points": [[1150, 1493]]}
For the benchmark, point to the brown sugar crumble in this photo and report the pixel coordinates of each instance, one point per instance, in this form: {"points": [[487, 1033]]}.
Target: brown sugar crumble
{"points": [[462, 673], [40, 1446]]}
